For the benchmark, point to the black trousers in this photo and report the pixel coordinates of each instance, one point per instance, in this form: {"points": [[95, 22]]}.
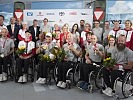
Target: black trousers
{"points": [[63, 67], [5, 61], [85, 70], [110, 76], [43, 68], [23, 66]]}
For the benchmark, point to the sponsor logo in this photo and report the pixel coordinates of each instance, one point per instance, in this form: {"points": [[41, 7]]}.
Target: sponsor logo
{"points": [[61, 13], [29, 13], [40, 14], [72, 13], [50, 14], [84, 14]]}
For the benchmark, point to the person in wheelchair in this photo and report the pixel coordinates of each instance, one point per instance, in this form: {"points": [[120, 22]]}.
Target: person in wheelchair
{"points": [[24, 58], [72, 51], [124, 63], [94, 55], [44, 65], [6, 50]]}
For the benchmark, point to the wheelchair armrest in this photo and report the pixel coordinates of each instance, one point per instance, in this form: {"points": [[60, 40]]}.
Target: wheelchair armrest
{"points": [[94, 64]]}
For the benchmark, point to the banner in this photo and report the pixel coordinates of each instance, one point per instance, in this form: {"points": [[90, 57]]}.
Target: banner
{"points": [[59, 16]]}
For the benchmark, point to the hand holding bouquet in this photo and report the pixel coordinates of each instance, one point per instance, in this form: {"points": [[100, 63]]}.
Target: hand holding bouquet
{"points": [[20, 50], [108, 62]]}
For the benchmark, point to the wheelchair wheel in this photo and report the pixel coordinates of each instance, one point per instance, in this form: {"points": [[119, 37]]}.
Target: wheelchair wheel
{"points": [[55, 74], [127, 86], [99, 80]]}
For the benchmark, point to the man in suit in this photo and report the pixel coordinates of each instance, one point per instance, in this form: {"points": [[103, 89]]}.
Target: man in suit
{"points": [[13, 30], [35, 30], [2, 23]]}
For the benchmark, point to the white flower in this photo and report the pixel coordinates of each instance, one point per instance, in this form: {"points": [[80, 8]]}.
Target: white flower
{"points": [[2, 55], [51, 56]]}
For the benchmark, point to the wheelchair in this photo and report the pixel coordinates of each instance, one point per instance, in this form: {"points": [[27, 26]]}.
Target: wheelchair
{"points": [[95, 79], [125, 85], [31, 71], [51, 71], [52, 74], [10, 67], [72, 75]]}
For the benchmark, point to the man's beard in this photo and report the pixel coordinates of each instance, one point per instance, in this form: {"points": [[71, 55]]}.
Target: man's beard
{"points": [[121, 46]]}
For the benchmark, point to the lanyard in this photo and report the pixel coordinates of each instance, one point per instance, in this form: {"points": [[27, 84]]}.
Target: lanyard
{"points": [[4, 43]]}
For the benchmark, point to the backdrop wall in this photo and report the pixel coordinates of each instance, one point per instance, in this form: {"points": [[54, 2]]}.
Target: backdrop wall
{"points": [[59, 16]]}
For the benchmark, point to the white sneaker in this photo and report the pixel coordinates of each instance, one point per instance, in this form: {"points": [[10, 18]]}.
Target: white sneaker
{"points": [[24, 78], [20, 79], [1, 77], [43, 81], [4, 76], [39, 80], [108, 91], [63, 85], [59, 83]]}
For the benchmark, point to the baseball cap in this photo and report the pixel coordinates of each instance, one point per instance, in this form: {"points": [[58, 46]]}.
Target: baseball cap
{"points": [[49, 34]]}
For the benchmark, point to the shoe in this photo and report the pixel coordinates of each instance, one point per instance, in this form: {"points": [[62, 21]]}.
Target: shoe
{"points": [[4, 76], [43, 81], [85, 86], [1, 77], [24, 79], [80, 84], [108, 91], [20, 79], [59, 83], [39, 80], [63, 85]]}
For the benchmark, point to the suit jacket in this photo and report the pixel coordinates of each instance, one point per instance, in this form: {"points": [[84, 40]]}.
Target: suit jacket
{"points": [[15, 35], [31, 28], [16, 30]]}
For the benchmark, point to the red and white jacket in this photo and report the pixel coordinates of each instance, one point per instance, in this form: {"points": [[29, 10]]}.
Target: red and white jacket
{"points": [[21, 35], [30, 47], [129, 38], [115, 33]]}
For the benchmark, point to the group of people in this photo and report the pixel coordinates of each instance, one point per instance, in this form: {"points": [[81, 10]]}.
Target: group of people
{"points": [[96, 42]]}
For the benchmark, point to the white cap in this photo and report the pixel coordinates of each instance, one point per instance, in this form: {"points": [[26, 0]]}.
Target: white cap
{"points": [[49, 34]]}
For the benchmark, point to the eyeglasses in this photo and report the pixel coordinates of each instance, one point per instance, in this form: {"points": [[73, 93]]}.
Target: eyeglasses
{"points": [[96, 23]]}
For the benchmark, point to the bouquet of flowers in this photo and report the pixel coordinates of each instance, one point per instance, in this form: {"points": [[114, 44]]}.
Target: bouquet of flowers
{"points": [[45, 46], [108, 61], [44, 57], [44, 33], [51, 57], [54, 35], [20, 50], [61, 55]]}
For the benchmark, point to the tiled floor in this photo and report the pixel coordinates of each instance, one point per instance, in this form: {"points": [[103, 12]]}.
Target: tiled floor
{"points": [[33, 91]]}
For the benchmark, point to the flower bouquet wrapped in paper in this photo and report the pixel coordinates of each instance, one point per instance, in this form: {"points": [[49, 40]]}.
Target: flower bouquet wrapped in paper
{"points": [[108, 62], [54, 35], [20, 50]]}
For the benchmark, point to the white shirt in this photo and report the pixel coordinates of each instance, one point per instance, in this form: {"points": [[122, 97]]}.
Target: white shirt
{"points": [[35, 29], [83, 35]]}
